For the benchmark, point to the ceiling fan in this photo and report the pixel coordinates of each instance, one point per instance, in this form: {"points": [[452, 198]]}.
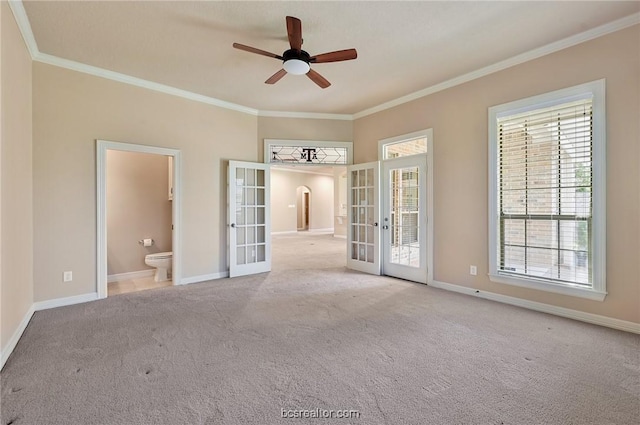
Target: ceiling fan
{"points": [[296, 61]]}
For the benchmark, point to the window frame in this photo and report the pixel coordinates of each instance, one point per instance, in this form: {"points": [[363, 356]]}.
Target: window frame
{"points": [[382, 144], [596, 90]]}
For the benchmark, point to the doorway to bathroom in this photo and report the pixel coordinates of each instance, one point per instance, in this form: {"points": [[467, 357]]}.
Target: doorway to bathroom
{"points": [[138, 211]]}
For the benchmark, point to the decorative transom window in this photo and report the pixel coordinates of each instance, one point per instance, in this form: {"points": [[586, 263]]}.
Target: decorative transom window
{"points": [[306, 152], [547, 203]]}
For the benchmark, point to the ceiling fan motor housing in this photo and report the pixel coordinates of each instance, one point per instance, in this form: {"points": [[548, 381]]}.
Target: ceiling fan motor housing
{"points": [[296, 54], [296, 62]]}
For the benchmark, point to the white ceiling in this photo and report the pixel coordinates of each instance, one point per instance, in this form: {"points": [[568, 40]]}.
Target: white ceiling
{"points": [[403, 47]]}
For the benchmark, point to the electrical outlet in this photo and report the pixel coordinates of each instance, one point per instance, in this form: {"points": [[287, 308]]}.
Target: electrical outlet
{"points": [[67, 276], [473, 270]]}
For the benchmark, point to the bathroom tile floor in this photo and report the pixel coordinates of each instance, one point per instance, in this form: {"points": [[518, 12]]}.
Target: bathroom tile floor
{"points": [[134, 285]]}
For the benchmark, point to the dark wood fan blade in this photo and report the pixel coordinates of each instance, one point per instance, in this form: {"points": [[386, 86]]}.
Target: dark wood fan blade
{"points": [[337, 56], [258, 51], [318, 79], [294, 31], [276, 77]]}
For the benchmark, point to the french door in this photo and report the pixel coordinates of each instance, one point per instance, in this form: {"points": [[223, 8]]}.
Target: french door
{"points": [[249, 218], [404, 227], [363, 233], [387, 211]]}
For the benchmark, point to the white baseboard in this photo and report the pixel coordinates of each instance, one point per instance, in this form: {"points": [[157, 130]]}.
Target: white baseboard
{"points": [[286, 232], [13, 341], [595, 319], [327, 230], [203, 278], [340, 236], [119, 277], [61, 302], [37, 306]]}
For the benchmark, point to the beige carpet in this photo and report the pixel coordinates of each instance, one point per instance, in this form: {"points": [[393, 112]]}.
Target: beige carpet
{"points": [[237, 351]]}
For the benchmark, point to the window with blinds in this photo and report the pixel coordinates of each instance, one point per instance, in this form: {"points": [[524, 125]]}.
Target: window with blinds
{"points": [[545, 192], [543, 199]]}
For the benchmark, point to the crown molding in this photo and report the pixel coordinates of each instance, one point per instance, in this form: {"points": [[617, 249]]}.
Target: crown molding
{"points": [[20, 14], [139, 82], [507, 63], [22, 20], [17, 8], [312, 115]]}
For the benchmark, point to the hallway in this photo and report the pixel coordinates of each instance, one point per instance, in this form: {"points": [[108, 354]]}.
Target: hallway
{"points": [[307, 250]]}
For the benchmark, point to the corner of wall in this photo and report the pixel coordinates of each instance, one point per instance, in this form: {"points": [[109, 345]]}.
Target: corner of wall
{"points": [[16, 190]]}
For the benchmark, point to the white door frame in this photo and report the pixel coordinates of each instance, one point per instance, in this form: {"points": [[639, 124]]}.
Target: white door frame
{"points": [[101, 210], [428, 133]]}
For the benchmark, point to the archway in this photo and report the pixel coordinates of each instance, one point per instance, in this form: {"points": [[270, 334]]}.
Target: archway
{"points": [[303, 208]]}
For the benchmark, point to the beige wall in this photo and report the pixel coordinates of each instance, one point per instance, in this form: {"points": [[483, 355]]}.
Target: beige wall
{"points": [[2, 341], [138, 207], [71, 110], [458, 117], [16, 286], [283, 193]]}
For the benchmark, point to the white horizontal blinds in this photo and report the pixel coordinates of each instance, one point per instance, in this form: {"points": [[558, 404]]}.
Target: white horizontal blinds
{"points": [[545, 193]]}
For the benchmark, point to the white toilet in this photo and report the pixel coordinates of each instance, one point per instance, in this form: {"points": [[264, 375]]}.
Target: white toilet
{"points": [[162, 261]]}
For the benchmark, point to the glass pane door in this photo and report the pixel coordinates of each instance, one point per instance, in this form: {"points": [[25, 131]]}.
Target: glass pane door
{"points": [[249, 218], [404, 218], [363, 234]]}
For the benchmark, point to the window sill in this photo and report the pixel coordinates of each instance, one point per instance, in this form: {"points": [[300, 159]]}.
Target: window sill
{"points": [[574, 291]]}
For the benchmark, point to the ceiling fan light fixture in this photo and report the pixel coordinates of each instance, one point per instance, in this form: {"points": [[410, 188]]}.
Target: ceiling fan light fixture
{"points": [[295, 60], [296, 66]]}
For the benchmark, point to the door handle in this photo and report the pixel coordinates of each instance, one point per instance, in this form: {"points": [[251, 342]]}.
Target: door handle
{"points": [[233, 225], [385, 227], [375, 224]]}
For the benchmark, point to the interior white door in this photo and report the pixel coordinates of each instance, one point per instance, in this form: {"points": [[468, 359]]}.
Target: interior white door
{"points": [[249, 218], [404, 215], [363, 233]]}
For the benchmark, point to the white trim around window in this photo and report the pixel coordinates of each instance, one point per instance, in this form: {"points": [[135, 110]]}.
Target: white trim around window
{"points": [[596, 289], [428, 134]]}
